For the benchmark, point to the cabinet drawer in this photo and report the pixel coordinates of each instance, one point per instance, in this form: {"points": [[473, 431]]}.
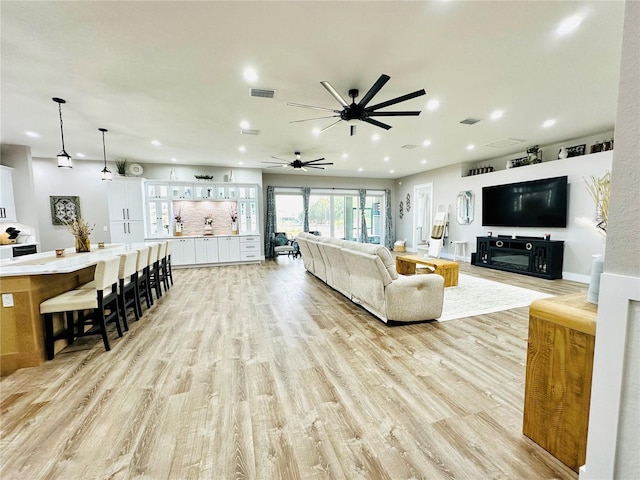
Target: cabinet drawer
{"points": [[248, 256], [250, 239], [250, 247]]}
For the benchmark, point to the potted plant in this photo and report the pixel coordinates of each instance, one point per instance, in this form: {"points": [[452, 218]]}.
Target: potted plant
{"points": [[178, 223], [81, 230], [121, 166]]}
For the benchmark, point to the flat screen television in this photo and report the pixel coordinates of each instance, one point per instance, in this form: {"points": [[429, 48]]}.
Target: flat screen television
{"points": [[536, 203]]}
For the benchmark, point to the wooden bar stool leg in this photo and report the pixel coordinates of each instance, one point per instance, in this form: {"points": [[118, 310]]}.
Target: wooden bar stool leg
{"points": [[48, 335]]}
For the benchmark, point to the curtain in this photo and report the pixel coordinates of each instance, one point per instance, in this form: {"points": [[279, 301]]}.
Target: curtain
{"points": [[363, 217], [388, 227], [306, 193], [270, 229]]}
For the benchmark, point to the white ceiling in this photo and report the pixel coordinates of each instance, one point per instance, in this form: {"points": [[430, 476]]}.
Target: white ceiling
{"points": [[173, 71]]}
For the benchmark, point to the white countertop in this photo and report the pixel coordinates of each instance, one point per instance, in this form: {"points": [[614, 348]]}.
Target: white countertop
{"points": [[47, 262]]}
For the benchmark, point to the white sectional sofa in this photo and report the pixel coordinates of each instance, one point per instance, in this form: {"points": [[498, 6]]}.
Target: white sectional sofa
{"points": [[366, 274]]}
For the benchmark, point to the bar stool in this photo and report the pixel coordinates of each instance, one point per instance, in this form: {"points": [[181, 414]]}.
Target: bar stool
{"points": [[169, 273], [154, 267], [128, 285], [164, 269], [102, 298], [142, 279]]}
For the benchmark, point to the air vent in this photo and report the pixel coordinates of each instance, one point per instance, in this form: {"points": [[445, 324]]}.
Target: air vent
{"points": [[262, 92], [470, 121], [246, 131], [505, 142], [409, 146]]}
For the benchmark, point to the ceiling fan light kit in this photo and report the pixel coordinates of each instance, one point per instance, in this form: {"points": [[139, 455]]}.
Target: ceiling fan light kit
{"points": [[298, 164], [361, 111]]}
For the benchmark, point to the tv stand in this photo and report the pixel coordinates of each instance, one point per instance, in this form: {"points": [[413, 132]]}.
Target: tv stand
{"points": [[526, 255]]}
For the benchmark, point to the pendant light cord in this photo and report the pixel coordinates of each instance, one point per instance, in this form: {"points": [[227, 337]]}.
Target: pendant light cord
{"points": [[61, 129]]}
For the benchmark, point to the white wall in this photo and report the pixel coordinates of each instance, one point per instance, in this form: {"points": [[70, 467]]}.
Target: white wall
{"points": [[581, 237]]}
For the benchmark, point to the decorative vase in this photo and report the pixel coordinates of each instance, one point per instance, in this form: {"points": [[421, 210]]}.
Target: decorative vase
{"points": [[597, 266], [83, 244], [563, 153], [178, 229], [234, 228], [208, 229]]}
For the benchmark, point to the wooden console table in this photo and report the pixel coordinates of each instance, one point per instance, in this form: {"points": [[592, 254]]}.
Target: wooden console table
{"points": [[558, 376], [406, 265]]}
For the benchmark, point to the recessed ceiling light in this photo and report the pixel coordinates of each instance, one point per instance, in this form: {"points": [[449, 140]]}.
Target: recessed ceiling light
{"points": [[244, 125], [155, 142], [250, 74], [391, 171], [79, 154], [423, 161], [345, 155], [242, 148], [360, 169], [433, 104], [386, 159], [497, 114], [426, 143], [240, 163], [569, 24], [549, 123], [31, 134], [316, 131], [173, 160], [375, 137], [471, 147]]}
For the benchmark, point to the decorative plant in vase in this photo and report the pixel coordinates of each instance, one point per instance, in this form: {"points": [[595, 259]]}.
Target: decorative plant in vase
{"points": [[178, 224], [81, 230], [208, 224], [599, 189], [233, 213], [121, 166]]}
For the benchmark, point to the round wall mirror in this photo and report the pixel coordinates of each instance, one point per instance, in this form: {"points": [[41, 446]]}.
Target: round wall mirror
{"points": [[464, 209]]}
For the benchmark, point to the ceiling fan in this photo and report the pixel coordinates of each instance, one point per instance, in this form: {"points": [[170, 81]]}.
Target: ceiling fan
{"points": [[299, 164], [360, 111]]}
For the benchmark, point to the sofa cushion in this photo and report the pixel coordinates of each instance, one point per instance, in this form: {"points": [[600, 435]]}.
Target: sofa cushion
{"points": [[382, 253]]}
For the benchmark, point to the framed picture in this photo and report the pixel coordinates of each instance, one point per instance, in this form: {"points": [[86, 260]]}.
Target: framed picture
{"points": [[576, 151], [64, 209]]}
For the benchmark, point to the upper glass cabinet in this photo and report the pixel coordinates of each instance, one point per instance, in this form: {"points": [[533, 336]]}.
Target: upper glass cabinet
{"points": [[464, 207]]}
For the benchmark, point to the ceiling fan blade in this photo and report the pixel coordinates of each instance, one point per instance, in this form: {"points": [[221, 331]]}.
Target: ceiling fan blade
{"points": [[375, 88], [281, 159], [303, 169], [316, 160], [319, 168], [393, 101], [376, 123], [413, 113], [335, 93], [317, 118], [316, 164], [276, 163], [333, 124], [312, 107], [276, 166]]}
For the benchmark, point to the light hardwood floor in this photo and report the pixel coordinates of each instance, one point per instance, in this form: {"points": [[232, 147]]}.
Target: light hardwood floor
{"points": [[264, 372]]}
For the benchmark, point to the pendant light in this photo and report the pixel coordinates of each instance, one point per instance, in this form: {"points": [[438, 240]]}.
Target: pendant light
{"points": [[64, 159], [106, 173]]}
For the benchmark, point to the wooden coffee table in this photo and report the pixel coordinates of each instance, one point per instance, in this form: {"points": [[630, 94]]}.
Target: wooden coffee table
{"points": [[406, 265]]}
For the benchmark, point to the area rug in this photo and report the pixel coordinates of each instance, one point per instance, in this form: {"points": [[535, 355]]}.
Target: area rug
{"points": [[476, 296]]}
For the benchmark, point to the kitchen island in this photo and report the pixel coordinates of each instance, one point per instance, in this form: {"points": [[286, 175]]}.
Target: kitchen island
{"points": [[27, 281]]}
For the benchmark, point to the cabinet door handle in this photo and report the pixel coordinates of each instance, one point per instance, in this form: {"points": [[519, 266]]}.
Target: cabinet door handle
{"points": [[123, 215], [128, 217], [124, 228]]}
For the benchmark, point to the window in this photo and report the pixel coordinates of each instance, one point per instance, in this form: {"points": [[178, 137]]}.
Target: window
{"points": [[289, 214]]}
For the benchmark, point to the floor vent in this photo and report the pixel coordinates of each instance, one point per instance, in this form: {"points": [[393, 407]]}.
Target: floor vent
{"points": [[470, 121], [247, 131], [262, 92], [505, 142]]}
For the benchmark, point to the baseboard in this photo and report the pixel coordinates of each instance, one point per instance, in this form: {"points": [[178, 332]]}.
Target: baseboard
{"points": [[576, 277]]}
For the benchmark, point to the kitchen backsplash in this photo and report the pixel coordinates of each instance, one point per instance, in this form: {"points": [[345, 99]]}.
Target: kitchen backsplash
{"points": [[194, 213]]}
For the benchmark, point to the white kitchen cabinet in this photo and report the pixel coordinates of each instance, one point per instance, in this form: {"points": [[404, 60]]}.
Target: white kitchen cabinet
{"points": [[159, 218], [247, 192], [228, 249], [7, 202], [206, 250], [183, 251], [248, 217], [250, 248], [126, 206], [226, 192], [158, 190], [205, 191], [182, 191]]}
